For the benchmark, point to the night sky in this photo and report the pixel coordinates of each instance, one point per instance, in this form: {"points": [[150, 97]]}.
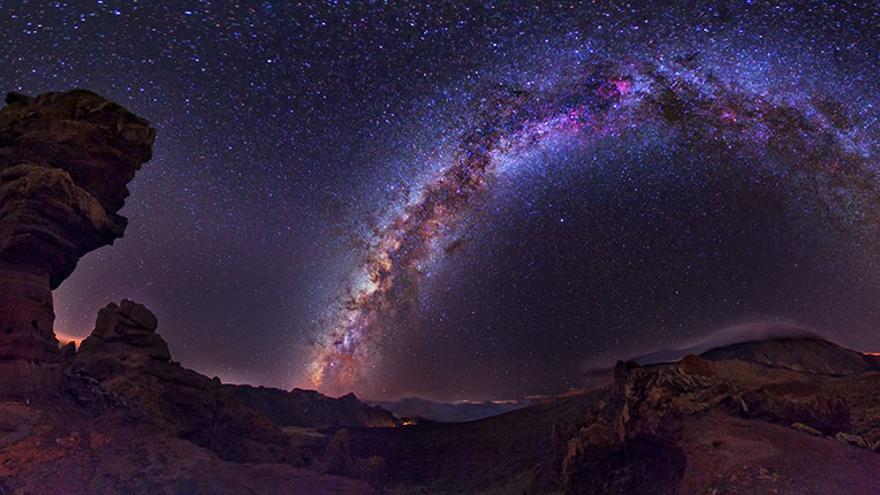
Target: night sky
{"points": [[474, 200]]}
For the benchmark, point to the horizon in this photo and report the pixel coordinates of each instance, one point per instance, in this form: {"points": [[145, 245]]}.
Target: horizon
{"points": [[731, 335]]}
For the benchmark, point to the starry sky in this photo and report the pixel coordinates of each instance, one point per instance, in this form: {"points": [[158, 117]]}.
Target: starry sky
{"points": [[474, 200]]}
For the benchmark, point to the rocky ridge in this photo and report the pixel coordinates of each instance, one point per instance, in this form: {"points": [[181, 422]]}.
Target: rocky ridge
{"points": [[804, 354], [238, 422], [656, 413], [310, 409]]}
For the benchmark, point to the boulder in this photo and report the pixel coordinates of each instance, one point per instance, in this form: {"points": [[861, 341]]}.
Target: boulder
{"points": [[806, 429], [124, 336], [855, 440]]}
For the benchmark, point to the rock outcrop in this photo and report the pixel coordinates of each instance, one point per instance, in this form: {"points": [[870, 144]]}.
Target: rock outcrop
{"points": [[65, 161], [670, 428], [58, 447], [124, 337], [130, 360]]}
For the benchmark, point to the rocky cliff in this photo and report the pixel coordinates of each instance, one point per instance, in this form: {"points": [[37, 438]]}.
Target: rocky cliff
{"points": [[65, 161], [751, 419]]}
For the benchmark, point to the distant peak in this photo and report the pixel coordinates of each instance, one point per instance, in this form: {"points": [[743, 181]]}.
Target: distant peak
{"points": [[808, 354]]}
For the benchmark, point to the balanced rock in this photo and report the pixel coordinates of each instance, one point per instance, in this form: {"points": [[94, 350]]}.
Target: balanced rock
{"points": [[124, 336], [65, 161]]}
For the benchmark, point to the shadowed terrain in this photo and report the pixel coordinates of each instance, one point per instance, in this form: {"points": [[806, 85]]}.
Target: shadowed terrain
{"points": [[793, 415]]}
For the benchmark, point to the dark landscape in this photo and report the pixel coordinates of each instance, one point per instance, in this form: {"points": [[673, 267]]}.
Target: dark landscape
{"points": [[706, 324]]}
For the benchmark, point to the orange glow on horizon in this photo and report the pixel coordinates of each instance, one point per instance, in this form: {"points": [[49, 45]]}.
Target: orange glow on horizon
{"points": [[64, 339]]}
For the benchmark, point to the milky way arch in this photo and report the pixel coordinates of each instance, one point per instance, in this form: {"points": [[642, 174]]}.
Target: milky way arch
{"points": [[811, 140]]}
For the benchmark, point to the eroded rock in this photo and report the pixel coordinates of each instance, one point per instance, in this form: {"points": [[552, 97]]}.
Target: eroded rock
{"points": [[126, 355], [65, 161], [124, 336]]}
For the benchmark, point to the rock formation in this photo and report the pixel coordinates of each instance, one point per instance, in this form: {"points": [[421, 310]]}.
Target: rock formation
{"points": [[65, 161], [118, 414], [130, 360], [124, 337], [670, 412]]}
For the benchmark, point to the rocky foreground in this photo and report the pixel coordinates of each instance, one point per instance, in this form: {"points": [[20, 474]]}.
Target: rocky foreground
{"points": [[118, 415], [796, 416], [126, 418]]}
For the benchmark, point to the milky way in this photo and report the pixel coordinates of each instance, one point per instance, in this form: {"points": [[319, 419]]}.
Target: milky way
{"points": [[812, 142], [531, 187]]}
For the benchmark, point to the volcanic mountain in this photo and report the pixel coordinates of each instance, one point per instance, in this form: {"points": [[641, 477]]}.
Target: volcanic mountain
{"points": [[805, 354]]}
